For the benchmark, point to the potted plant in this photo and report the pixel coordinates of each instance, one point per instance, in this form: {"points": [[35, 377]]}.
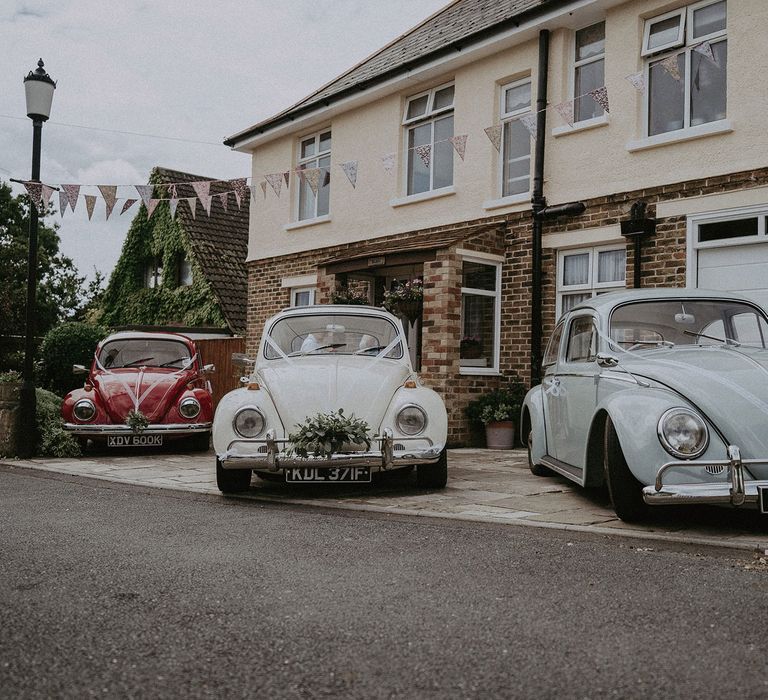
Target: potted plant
{"points": [[345, 295], [470, 347], [498, 411], [405, 299], [325, 434]]}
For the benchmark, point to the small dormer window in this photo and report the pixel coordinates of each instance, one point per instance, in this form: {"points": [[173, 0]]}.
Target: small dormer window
{"points": [[153, 272]]}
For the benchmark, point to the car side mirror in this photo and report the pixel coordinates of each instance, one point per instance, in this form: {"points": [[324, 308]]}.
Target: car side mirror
{"points": [[209, 369], [241, 360], [79, 369], [606, 360]]}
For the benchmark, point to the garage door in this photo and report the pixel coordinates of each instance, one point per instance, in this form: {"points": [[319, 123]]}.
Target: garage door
{"points": [[731, 253]]}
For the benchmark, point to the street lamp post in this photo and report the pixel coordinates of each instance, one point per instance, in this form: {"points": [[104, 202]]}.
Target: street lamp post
{"points": [[38, 87]]}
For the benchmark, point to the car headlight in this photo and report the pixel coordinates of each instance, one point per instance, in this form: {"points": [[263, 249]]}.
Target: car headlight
{"points": [[84, 410], [411, 420], [683, 433], [248, 423], [189, 407]]}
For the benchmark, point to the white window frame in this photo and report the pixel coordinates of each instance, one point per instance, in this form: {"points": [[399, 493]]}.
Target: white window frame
{"points": [[153, 272], [686, 46], [429, 116], [304, 161], [295, 291], [508, 117], [681, 13], [583, 62], [591, 286], [759, 211], [490, 261]]}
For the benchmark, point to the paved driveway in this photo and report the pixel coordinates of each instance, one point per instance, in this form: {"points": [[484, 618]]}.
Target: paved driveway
{"points": [[483, 485]]}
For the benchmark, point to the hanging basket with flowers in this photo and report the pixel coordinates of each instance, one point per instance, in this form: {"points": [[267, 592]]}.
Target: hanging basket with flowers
{"points": [[405, 299]]}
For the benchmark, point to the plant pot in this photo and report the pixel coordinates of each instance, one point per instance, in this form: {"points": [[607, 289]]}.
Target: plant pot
{"points": [[500, 435], [472, 351], [410, 309]]}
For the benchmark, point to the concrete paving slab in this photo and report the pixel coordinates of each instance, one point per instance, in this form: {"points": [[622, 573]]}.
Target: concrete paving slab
{"points": [[484, 486]]}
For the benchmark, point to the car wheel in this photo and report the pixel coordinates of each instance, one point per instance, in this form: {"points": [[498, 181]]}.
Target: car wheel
{"points": [[433, 476], [201, 442], [536, 469], [626, 492], [232, 480]]}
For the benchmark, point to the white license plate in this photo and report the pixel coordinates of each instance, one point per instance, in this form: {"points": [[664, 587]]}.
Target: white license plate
{"points": [[134, 441], [309, 475]]}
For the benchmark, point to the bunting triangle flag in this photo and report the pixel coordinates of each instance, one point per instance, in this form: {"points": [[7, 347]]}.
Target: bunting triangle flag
{"points": [[637, 80], [494, 134], [600, 95], [90, 203], [46, 195], [109, 192], [460, 144], [529, 121], [705, 49], [145, 192], [35, 192], [275, 181], [388, 162], [287, 177], [299, 172], [239, 187], [152, 206], [672, 67], [263, 184], [206, 202], [173, 202], [312, 177], [127, 205], [73, 192], [425, 153], [224, 197], [192, 201], [565, 110], [62, 202], [326, 177], [350, 170], [202, 189], [172, 191]]}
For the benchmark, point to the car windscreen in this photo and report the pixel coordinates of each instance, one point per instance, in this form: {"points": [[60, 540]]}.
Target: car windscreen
{"points": [[144, 352], [340, 334], [651, 324]]}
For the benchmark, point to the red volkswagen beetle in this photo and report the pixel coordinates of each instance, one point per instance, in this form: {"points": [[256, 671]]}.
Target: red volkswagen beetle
{"points": [[142, 390]]}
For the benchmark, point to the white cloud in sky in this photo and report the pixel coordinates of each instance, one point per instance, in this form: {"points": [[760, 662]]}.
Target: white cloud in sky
{"points": [[182, 68]]}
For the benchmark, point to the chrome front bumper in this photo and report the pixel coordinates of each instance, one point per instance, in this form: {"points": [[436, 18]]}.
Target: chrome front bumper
{"points": [[171, 429], [267, 456], [735, 492]]}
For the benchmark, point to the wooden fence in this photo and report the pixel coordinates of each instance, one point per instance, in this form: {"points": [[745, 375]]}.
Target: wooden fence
{"points": [[218, 351]]}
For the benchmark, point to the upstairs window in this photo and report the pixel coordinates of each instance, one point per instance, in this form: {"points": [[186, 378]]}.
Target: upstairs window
{"points": [[315, 152], [153, 272], [516, 140], [184, 271], [675, 46], [428, 121], [589, 70]]}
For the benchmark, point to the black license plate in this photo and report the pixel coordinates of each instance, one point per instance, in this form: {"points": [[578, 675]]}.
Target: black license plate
{"points": [[313, 475], [134, 441], [762, 499]]}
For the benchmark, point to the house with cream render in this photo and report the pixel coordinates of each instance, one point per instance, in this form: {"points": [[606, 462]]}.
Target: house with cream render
{"points": [[557, 193]]}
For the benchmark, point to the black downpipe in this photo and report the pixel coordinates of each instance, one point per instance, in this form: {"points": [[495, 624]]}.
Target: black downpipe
{"points": [[538, 202]]}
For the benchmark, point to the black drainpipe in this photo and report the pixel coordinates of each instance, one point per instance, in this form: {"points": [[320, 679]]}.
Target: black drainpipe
{"points": [[540, 210]]}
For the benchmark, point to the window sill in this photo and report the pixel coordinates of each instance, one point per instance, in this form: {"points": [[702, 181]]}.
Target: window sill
{"points": [[422, 196], [524, 198], [307, 222], [585, 125], [722, 126], [487, 371]]}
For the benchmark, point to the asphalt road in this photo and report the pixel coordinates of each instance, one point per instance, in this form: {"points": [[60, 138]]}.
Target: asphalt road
{"points": [[107, 590]]}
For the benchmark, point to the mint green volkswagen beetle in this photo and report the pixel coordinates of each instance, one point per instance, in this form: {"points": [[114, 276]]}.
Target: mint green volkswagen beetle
{"points": [[662, 394]]}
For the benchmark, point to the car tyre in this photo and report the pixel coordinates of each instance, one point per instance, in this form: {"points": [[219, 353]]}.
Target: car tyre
{"points": [[232, 480], [433, 476], [626, 492], [536, 469]]}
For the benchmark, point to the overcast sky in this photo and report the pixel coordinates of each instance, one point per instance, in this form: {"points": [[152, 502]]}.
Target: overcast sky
{"points": [[187, 69]]}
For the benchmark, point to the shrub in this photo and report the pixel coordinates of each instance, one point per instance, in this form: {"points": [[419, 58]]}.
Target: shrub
{"points": [[54, 441], [505, 402], [10, 377], [64, 346], [345, 295]]}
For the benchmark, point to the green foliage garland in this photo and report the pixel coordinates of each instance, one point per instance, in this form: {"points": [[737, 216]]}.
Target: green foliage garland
{"points": [[128, 302], [325, 434]]}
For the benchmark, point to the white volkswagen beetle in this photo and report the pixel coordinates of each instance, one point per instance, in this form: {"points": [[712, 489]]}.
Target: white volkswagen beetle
{"points": [[319, 359], [660, 393]]}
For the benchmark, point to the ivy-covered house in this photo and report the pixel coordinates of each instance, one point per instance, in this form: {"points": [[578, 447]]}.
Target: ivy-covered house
{"points": [[185, 271]]}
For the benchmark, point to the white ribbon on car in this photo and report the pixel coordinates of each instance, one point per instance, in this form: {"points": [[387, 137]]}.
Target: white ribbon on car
{"points": [[134, 394], [386, 350]]}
